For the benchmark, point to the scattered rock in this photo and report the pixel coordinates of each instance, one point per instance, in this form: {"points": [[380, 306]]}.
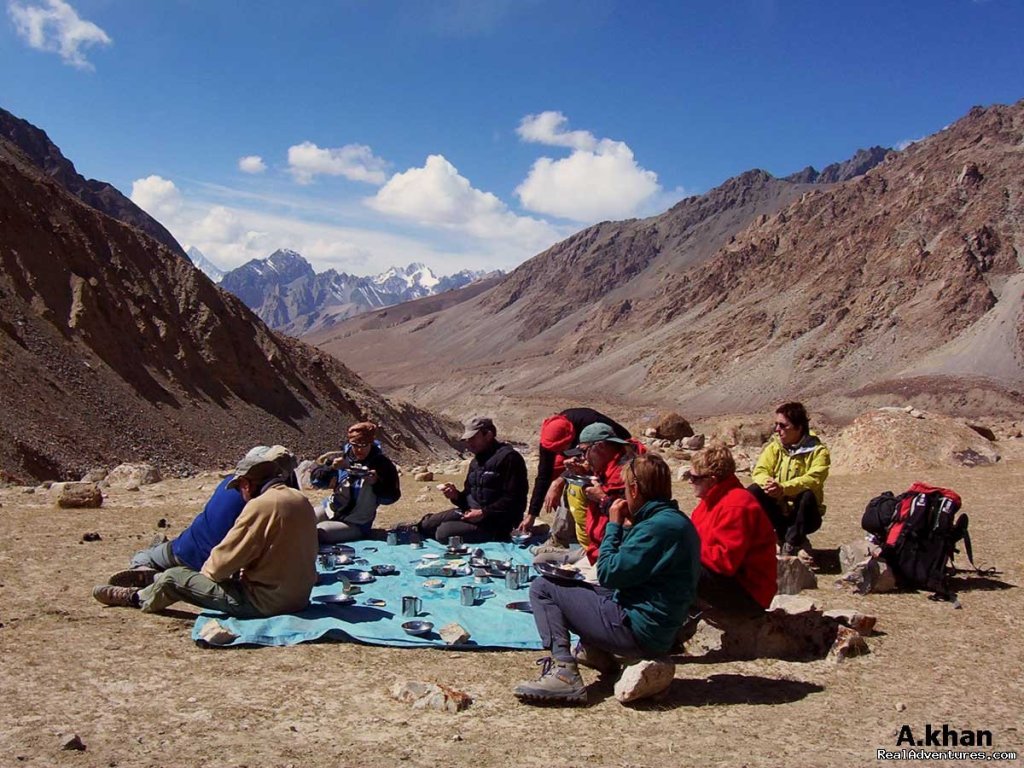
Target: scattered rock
{"points": [[692, 443], [72, 742], [161, 523], [128, 475], [91, 536], [672, 426], [681, 472], [157, 540], [95, 475], [424, 695], [984, 431], [794, 576], [901, 707], [424, 477], [644, 679], [417, 470], [423, 498], [792, 604], [856, 552], [215, 633], [650, 432], [855, 620], [79, 496], [454, 634], [849, 642], [28, 490], [870, 576], [303, 472]]}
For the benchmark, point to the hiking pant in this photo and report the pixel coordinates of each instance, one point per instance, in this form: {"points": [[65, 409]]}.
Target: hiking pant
{"points": [[330, 531], [586, 610], [725, 594], [186, 585], [444, 524], [159, 557], [793, 518]]}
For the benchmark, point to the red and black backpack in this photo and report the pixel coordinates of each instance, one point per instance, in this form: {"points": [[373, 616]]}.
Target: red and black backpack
{"points": [[918, 532]]}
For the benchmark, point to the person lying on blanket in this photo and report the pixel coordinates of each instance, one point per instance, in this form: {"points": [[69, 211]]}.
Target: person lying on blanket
{"points": [[361, 479], [648, 578], [265, 565], [207, 529]]}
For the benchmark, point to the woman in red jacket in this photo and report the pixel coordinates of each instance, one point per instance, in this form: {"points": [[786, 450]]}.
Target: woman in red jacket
{"points": [[737, 540]]}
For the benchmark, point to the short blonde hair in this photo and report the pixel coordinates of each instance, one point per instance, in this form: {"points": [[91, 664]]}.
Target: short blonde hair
{"points": [[651, 474], [716, 461]]}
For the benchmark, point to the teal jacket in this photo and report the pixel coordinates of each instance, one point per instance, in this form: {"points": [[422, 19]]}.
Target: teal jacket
{"points": [[653, 566]]}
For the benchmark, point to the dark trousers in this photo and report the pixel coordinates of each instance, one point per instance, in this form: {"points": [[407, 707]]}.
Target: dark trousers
{"points": [[444, 524], [793, 518], [588, 611], [724, 593]]}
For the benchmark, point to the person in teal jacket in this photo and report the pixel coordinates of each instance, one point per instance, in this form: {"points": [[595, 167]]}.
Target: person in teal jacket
{"points": [[648, 576], [789, 479]]}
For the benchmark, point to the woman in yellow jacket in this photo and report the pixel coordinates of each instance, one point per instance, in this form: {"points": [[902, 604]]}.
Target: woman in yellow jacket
{"points": [[789, 479]]}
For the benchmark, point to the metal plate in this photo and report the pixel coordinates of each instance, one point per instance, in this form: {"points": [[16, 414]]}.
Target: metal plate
{"points": [[335, 599], [557, 573]]}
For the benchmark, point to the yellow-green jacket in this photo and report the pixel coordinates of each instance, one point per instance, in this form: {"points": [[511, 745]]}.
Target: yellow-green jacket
{"points": [[803, 467]]}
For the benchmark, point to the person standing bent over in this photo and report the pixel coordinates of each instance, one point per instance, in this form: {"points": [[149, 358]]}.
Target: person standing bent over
{"points": [[789, 479], [264, 566]]}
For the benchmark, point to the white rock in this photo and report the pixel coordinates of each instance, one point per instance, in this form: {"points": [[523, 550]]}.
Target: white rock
{"points": [[853, 619], [644, 679], [792, 604], [424, 695], [454, 634], [848, 643], [126, 475]]}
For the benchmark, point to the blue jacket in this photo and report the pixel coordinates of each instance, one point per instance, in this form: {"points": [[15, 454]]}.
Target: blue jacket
{"points": [[204, 533]]}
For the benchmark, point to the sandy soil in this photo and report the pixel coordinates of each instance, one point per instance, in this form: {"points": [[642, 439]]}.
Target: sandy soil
{"points": [[140, 693]]}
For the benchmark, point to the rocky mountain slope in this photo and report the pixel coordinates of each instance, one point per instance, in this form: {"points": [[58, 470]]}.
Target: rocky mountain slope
{"points": [[44, 154], [901, 282], [114, 347], [290, 296]]}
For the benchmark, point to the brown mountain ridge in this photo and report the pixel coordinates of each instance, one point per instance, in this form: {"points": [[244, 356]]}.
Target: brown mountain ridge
{"points": [[904, 281], [114, 347]]}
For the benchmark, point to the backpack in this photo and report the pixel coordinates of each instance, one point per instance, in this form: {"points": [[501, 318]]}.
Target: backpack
{"points": [[918, 532]]}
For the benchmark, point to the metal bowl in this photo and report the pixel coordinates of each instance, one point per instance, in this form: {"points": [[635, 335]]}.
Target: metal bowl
{"points": [[360, 577], [335, 599], [385, 569], [418, 627], [519, 539]]}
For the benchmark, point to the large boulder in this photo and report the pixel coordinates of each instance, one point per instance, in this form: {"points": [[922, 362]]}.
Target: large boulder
{"points": [[672, 426], [78, 495], [644, 679], [887, 439], [133, 475]]}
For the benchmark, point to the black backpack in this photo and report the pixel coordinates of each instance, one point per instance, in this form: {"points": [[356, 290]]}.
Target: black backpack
{"points": [[918, 532]]}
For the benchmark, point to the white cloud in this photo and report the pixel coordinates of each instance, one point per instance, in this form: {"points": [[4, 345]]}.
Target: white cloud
{"points": [[355, 162], [901, 145], [56, 27], [599, 180], [437, 195], [237, 226], [548, 128], [251, 164], [157, 196]]}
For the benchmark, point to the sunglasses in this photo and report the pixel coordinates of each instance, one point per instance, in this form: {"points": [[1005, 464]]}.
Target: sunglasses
{"points": [[360, 445], [778, 426], [697, 478]]}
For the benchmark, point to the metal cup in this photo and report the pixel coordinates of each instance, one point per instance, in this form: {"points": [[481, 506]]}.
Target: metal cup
{"points": [[512, 579], [392, 538], [523, 574], [328, 561], [455, 542], [415, 540], [470, 594], [411, 606]]}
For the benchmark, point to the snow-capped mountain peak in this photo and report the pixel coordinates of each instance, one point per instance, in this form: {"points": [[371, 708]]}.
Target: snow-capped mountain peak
{"points": [[204, 265]]}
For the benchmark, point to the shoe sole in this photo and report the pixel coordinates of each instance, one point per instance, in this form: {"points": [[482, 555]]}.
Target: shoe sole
{"points": [[575, 700], [134, 577]]}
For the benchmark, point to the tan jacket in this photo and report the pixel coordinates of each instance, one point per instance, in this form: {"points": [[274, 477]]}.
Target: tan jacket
{"points": [[273, 544]]}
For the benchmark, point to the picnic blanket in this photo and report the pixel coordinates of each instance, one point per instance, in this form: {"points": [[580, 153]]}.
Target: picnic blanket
{"points": [[489, 622]]}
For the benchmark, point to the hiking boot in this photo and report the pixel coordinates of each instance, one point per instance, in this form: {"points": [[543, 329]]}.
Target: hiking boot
{"points": [[559, 683], [133, 577], [596, 658], [127, 597]]}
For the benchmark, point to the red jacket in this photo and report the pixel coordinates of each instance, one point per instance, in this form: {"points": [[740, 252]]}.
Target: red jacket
{"points": [[737, 538], [611, 483]]}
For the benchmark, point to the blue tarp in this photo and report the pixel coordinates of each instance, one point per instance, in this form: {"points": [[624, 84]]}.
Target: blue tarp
{"points": [[489, 622]]}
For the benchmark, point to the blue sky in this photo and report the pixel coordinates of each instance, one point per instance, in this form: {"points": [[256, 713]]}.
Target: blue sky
{"points": [[365, 133]]}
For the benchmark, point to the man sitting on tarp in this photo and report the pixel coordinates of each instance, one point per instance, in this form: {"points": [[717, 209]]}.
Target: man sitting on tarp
{"points": [[264, 566], [360, 480], [206, 531], [493, 498]]}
